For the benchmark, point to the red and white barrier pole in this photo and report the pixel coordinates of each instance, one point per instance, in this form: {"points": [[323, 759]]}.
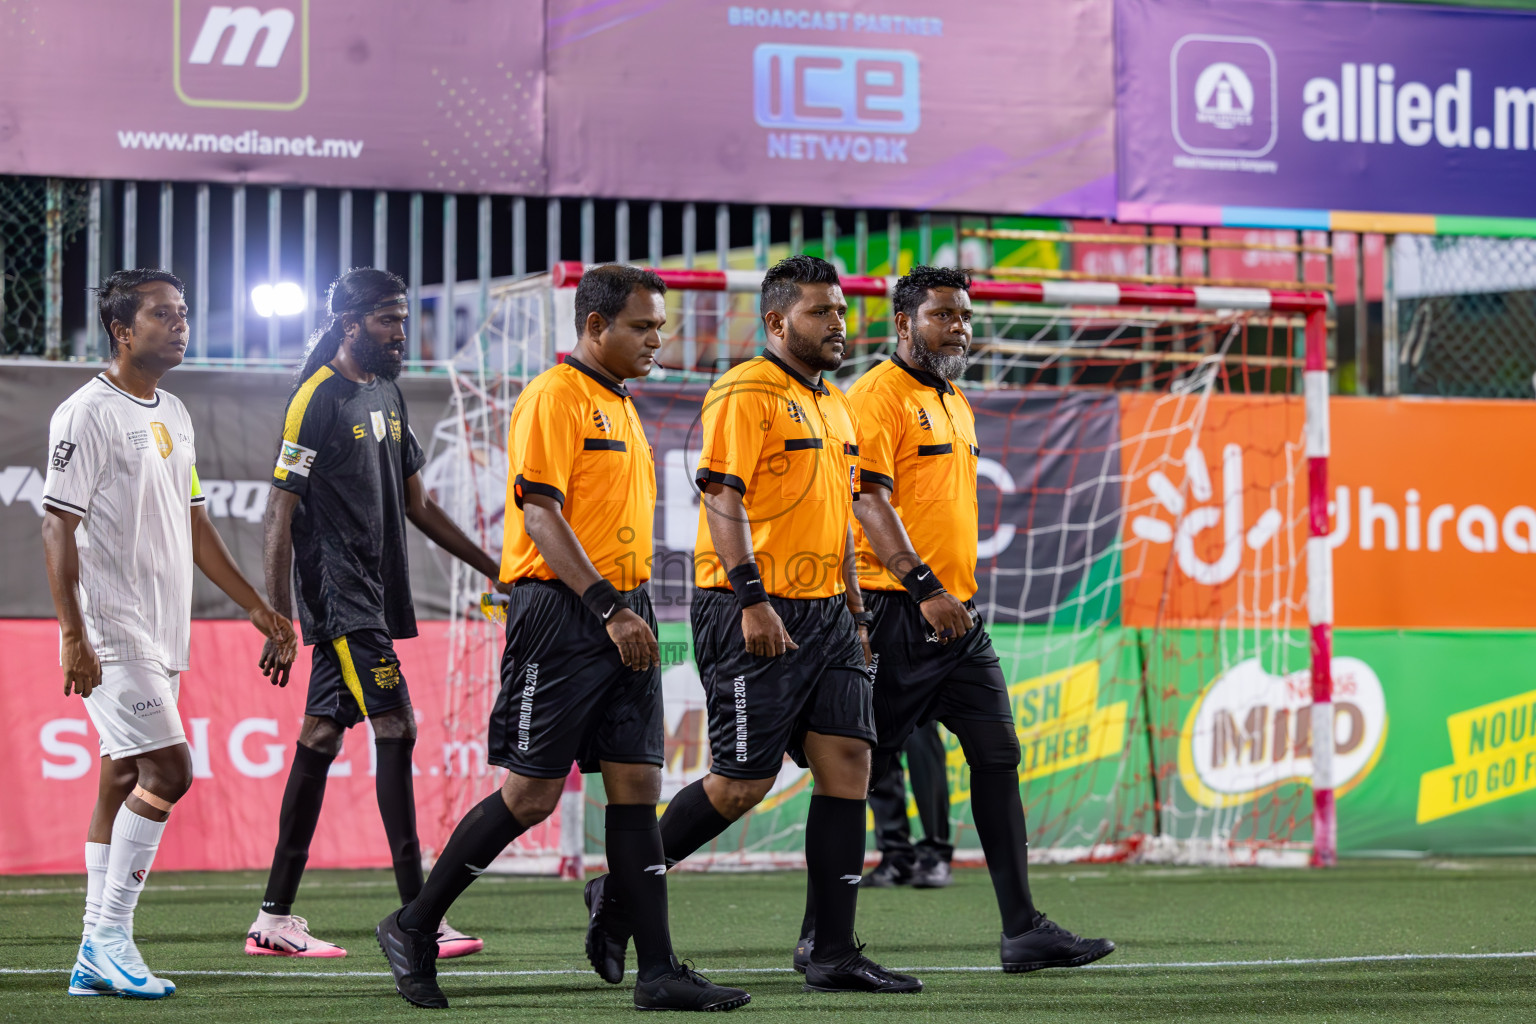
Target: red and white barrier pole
{"points": [[1052, 293], [1320, 591]]}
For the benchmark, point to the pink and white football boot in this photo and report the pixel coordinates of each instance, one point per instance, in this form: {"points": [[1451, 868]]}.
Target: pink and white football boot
{"points": [[286, 935], [451, 942]]}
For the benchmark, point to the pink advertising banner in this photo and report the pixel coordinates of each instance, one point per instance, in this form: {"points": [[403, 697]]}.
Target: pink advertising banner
{"points": [[242, 731], [390, 93], [983, 105]]}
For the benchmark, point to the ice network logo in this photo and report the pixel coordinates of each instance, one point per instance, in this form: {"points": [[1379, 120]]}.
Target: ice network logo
{"points": [[1190, 522]]}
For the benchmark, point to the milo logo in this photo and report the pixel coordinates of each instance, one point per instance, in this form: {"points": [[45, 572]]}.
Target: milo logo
{"points": [[1251, 732]]}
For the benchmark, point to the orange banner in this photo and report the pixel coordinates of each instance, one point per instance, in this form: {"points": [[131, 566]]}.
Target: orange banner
{"points": [[1433, 507], [1434, 513]]}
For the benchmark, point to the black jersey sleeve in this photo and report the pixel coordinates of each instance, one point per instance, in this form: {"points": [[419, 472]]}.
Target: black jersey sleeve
{"points": [[308, 423]]}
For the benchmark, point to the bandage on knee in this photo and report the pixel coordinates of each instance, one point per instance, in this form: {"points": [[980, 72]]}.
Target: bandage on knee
{"points": [[158, 803]]}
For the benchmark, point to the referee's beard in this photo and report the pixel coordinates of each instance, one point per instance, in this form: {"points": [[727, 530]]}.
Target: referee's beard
{"points": [[817, 353]]}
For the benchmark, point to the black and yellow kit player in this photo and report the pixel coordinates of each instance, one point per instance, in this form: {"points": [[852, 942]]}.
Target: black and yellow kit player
{"points": [[346, 479], [774, 632], [580, 676], [917, 567]]}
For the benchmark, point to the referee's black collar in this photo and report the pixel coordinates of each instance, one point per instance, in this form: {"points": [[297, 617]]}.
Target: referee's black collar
{"points": [[923, 377], [816, 385], [618, 389]]}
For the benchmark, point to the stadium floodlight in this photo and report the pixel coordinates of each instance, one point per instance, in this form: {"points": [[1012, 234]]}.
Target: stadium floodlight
{"points": [[282, 299]]}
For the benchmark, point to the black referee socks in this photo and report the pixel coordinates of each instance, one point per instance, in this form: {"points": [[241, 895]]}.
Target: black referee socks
{"points": [[479, 838], [690, 822], [638, 871], [396, 794], [999, 815], [302, 798], [834, 862]]}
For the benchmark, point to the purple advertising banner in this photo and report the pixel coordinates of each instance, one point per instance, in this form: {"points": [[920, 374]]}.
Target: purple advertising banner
{"points": [[983, 105], [389, 93], [1389, 108]]}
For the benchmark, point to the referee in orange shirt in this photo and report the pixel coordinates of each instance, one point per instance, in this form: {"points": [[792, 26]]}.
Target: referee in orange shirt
{"points": [[779, 654], [580, 676], [917, 567]]}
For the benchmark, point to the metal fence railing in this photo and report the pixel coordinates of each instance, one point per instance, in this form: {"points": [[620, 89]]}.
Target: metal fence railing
{"points": [[1466, 315], [1446, 316]]}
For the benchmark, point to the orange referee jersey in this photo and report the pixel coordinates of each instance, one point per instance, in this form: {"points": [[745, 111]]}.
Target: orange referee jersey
{"points": [[575, 437], [789, 446], [917, 437]]}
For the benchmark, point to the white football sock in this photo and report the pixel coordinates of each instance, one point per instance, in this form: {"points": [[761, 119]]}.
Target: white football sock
{"points": [[96, 855], [134, 841]]}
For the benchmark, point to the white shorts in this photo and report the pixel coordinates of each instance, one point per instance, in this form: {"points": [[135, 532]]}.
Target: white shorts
{"points": [[134, 709]]}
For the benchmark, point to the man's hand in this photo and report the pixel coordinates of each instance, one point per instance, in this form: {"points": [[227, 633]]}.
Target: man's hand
{"points": [[282, 645], [947, 616], [501, 586], [82, 669], [636, 643], [869, 655], [764, 631]]}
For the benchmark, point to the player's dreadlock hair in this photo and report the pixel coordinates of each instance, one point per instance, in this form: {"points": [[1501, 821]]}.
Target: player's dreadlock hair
{"points": [[353, 294], [781, 285], [911, 290], [118, 298], [606, 290]]}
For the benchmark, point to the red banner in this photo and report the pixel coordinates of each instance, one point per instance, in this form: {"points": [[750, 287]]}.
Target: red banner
{"points": [[242, 732]]}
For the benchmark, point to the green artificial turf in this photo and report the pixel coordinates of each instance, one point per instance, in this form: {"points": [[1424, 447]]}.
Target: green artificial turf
{"points": [[1205, 939]]}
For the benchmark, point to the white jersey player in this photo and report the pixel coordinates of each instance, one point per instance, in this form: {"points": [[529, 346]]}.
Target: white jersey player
{"points": [[125, 525]]}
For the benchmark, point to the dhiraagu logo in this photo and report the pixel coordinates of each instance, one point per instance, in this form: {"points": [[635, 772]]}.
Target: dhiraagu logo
{"points": [[1250, 732], [1493, 757], [240, 57]]}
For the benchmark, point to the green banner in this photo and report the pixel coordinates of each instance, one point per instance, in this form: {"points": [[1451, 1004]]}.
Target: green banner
{"points": [[1205, 736], [1458, 770]]}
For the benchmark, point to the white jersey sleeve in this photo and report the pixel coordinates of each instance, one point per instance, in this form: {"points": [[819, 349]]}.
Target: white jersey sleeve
{"points": [[78, 456]]}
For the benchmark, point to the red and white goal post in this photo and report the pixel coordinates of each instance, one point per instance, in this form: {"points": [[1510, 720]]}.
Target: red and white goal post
{"points": [[530, 327]]}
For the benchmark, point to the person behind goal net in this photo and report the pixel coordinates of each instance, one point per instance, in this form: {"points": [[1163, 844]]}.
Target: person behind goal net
{"points": [[347, 478], [933, 657], [580, 675], [126, 522]]}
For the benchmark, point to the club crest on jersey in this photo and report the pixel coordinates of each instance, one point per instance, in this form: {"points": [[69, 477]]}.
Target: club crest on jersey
{"points": [[922, 420], [378, 424], [394, 426], [386, 676], [162, 439], [603, 422], [795, 412]]}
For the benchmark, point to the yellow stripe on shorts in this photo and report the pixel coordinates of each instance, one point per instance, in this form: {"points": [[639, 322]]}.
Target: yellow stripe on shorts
{"points": [[349, 671]]}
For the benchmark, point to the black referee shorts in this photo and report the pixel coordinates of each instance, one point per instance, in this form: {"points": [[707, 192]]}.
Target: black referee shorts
{"points": [[918, 680], [355, 676], [565, 694], [761, 708]]}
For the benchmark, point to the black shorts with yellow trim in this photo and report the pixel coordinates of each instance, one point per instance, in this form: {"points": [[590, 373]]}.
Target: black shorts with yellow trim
{"points": [[565, 693], [761, 708], [356, 676], [919, 680]]}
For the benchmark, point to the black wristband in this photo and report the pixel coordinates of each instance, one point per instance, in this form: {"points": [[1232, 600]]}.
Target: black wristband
{"points": [[603, 600], [747, 582], [865, 619], [921, 583]]}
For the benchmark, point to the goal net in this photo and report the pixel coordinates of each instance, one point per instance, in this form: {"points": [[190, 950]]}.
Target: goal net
{"points": [[1149, 490]]}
